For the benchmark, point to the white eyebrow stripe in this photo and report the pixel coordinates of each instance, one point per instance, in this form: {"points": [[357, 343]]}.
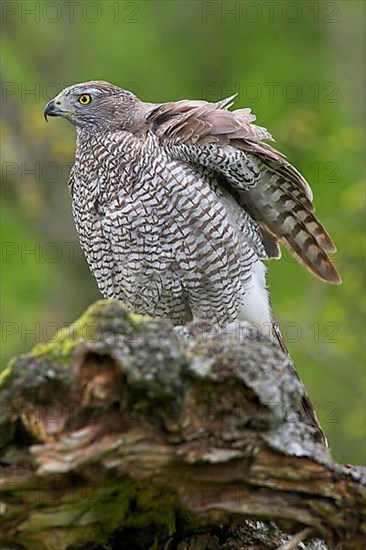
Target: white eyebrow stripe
{"points": [[90, 91]]}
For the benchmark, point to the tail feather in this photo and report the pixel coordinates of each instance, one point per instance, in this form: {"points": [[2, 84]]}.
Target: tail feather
{"points": [[313, 258], [307, 222], [289, 206], [286, 213]]}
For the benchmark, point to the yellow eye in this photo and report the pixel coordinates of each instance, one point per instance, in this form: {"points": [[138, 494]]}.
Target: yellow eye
{"points": [[84, 99]]}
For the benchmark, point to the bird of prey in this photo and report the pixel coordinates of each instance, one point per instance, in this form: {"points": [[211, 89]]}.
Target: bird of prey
{"points": [[178, 204]]}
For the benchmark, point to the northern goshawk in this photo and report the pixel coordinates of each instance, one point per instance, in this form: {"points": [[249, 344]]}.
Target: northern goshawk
{"points": [[178, 204]]}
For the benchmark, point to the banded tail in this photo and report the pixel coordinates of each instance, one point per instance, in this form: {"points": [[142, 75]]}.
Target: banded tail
{"points": [[286, 214]]}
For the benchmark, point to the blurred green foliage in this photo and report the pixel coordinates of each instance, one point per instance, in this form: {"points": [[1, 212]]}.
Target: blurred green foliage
{"points": [[298, 65]]}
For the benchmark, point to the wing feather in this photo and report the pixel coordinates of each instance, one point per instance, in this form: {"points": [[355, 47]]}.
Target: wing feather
{"points": [[278, 198]]}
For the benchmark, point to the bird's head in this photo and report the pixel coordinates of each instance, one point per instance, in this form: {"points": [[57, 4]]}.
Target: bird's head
{"points": [[94, 105]]}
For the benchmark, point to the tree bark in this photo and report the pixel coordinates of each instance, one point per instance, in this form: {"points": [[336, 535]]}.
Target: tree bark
{"points": [[126, 432]]}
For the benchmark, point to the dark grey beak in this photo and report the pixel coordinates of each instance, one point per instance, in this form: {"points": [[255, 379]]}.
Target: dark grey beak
{"points": [[51, 110]]}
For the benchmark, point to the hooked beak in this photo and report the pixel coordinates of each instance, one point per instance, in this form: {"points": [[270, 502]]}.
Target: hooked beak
{"points": [[52, 109]]}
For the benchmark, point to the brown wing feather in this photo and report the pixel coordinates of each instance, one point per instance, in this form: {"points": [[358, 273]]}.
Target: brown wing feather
{"points": [[281, 205]]}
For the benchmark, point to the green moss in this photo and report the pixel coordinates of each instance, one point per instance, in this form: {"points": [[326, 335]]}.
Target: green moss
{"points": [[127, 506], [88, 327], [61, 346], [4, 375]]}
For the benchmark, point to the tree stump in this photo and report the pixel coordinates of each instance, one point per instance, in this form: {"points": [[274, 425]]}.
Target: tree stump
{"points": [[127, 432]]}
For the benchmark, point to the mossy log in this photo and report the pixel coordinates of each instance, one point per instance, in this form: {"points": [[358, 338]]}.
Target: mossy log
{"points": [[126, 432]]}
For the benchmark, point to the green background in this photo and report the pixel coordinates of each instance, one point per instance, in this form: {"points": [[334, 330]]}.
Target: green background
{"points": [[298, 65]]}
